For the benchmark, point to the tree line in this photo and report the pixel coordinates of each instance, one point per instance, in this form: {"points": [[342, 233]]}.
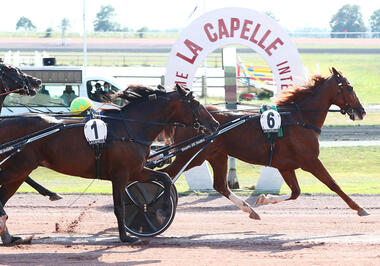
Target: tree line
{"points": [[346, 20]]}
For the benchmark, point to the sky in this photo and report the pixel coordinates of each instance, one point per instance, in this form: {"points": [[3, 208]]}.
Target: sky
{"points": [[169, 14]]}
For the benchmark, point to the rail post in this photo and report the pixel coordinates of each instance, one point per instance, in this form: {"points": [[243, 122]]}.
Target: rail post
{"points": [[204, 88], [229, 66]]}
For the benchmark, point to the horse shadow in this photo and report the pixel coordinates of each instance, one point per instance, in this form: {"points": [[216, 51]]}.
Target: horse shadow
{"points": [[249, 241], [93, 257], [210, 197], [228, 206], [255, 242]]}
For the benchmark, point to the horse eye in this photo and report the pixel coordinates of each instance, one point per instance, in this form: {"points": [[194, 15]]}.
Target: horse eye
{"points": [[350, 88]]}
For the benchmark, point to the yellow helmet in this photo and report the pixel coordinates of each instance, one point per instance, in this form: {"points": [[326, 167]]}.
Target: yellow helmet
{"points": [[80, 104]]}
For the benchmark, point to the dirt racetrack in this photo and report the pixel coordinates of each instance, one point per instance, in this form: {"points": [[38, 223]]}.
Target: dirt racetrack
{"points": [[207, 230]]}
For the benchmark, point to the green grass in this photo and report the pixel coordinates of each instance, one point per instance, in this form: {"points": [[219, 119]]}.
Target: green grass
{"points": [[362, 70], [356, 170], [356, 173]]}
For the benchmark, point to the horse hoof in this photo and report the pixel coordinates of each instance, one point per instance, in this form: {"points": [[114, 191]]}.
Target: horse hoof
{"points": [[260, 199], [138, 242], [3, 219], [130, 240], [55, 197], [254, 215], [362, 212], [15, 240]]}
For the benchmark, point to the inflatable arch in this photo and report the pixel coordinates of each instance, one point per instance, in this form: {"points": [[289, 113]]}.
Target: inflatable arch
{"points": [[226, 26]]}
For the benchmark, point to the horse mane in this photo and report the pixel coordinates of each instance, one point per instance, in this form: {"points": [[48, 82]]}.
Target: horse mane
{"points": [[295, 93], [136, 93]]}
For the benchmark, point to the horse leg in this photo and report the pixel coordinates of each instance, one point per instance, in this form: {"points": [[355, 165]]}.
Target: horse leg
{"points": [[3, 219], [219, 166], [42, 190], [291, 180], [6, 192], [316, 168], [118, 193], [11, 178]]}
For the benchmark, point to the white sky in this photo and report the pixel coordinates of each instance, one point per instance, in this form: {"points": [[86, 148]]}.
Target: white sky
{"points": [[168, 14]]}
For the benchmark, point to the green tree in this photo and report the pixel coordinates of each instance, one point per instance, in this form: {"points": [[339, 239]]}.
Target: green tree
{"points": [[141, 31], [374, 22], [347, 19], [48, 32], [25, 23], [103, 21]]}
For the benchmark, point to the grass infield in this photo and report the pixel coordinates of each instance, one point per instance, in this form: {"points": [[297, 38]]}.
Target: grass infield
{"points": [[356, 170]]}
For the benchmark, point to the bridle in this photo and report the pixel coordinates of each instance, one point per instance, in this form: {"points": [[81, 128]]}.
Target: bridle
{"points": [[194, 107], [348, 108]]}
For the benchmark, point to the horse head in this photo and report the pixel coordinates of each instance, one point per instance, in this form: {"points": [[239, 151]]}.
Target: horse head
{"points": [[14, 80], [192, 112], [346, 97]]}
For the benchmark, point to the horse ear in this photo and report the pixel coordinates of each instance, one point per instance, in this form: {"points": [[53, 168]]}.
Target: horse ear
{"points": [[180, 89], [161, 88], [334, 71], [152, 97]]}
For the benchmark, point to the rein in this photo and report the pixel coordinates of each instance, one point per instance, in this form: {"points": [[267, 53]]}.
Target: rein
{"points": [[8, 92], [195, 141], [18, 144], [143, 121]]}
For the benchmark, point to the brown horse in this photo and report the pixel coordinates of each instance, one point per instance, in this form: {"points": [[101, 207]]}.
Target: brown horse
{"points": [[13, 80], [130, 133], [298, 148]]}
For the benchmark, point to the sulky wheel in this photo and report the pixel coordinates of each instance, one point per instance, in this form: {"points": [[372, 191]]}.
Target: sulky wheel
{"points": [[174, 192], [143, 199]]}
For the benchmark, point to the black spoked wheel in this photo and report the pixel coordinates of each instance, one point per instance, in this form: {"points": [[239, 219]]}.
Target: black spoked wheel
{"points": [[143, 199], [174, 192]]}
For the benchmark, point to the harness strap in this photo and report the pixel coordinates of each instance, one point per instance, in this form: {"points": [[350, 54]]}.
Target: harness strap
{"points": [[316, 129], [302, 123], [98, 154], [140, 141], [271, 148], [143, 121]]}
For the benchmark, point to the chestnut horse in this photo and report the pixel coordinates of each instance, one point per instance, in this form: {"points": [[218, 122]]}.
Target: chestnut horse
{"points": [[298, 148], [130, 133]]}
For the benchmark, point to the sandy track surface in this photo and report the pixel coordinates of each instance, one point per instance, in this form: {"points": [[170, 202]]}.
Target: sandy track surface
{"points": [[351, 133], [207, 230]]}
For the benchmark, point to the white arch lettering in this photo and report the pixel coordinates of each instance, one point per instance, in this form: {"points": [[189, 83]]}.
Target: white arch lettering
{"points": [[242, 26]]}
